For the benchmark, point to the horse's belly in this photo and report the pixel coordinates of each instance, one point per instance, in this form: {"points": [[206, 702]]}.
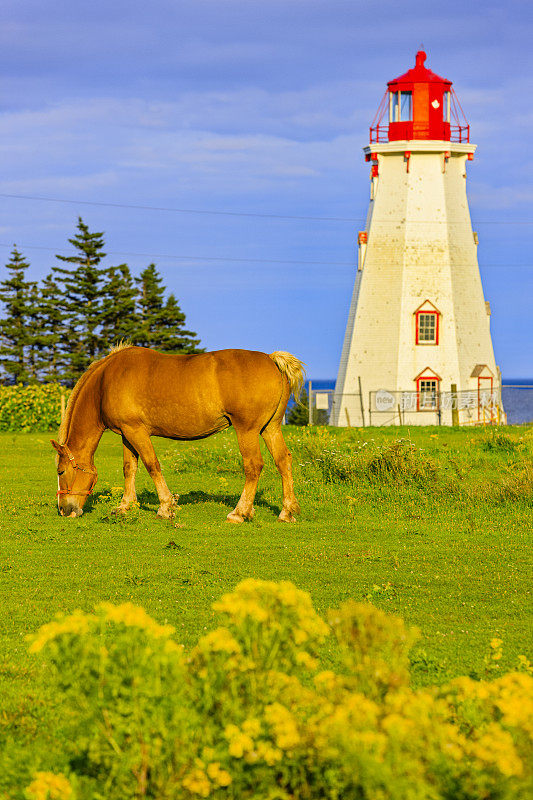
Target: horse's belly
{"points": [[184, 419], [172, 429]]}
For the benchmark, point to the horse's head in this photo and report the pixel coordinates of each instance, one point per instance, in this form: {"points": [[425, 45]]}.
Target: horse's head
{"points": [[75, 482]]}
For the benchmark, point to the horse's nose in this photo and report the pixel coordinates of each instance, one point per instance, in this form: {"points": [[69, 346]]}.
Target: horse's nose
{"points": [[69, 510]]}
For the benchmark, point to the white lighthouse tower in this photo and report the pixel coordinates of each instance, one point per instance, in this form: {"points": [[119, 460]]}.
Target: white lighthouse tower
{"points": [[417, 348]]}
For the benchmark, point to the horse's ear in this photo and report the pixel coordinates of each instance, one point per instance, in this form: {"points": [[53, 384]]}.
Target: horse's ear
{"points": [[57, 446]]}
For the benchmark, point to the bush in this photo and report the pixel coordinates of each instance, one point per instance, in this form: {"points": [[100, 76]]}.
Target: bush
{"points": [[32, 408], [501, 442], [398, 462], [249, 713]]}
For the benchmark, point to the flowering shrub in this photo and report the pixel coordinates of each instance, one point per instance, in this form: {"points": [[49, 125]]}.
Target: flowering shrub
{"points": [[249, 713], [31, 408]]}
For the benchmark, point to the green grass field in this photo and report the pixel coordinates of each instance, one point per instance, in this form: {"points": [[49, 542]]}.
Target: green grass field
{"points": [[443, 541]]}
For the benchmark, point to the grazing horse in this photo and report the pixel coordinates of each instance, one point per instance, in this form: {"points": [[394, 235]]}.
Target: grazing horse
{"points": [[138, 393]]}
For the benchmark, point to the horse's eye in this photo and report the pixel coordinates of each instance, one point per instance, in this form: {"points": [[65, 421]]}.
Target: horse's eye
{"points": [[61, 472]]}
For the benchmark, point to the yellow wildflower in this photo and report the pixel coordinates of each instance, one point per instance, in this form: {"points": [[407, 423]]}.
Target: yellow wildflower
{"points": [[239, 742], [134, 617], [49, 786], [284, 725], [270, 755], [496, 747], [218, 775], [197, 783], [219, 640], [306, 660], [76, 623], [326, 681], [252, 727]]}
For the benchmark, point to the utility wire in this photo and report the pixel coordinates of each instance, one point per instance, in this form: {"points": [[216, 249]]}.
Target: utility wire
{"points": [[178, 210], [352, 220], [193, 258], [351, 264]]}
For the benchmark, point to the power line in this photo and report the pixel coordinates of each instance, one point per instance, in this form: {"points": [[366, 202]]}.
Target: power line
{"points": [[351, 264], [194, 258], [179, 210], [352, 220]]}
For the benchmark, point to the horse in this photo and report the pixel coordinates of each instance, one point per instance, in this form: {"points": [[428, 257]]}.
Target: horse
{"points": [[137, 393]]}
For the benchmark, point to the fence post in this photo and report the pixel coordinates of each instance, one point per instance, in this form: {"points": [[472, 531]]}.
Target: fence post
{"points": [[63, 405], [370, 408], [361, 400], [455, 405], [310, 400]]}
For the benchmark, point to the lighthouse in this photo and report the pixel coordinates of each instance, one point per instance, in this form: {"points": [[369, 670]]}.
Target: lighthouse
{"points": [[417, 348]]}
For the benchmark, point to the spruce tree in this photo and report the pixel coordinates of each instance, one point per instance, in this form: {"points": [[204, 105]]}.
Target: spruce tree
{"points": [[14, 337], [161, 324], [119, 314], [33, 332], [150, 301], [52, 361], [81, 300], [173, 337], [299, 411]]}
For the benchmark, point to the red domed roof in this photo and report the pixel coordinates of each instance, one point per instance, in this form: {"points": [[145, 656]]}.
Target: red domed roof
{"points": [[419, 73]]}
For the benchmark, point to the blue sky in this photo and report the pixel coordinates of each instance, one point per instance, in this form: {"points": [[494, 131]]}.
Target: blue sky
{"points": [[258, 108]]}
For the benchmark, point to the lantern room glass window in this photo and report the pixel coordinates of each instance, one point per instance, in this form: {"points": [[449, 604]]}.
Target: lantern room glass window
{"points": [[401, 107], [427, 327], [394, 110], [428, 394], [406, 108], [446, 107]]}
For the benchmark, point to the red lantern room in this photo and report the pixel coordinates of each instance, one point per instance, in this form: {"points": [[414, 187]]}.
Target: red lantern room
{"points": [[420, 105]]}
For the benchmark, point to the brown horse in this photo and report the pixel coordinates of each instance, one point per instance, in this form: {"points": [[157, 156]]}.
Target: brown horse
{"points": [[139, 393]]}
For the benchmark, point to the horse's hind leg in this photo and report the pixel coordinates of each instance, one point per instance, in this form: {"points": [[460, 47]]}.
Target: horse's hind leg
{"points": [[141, 442], [131, 460], [253, 464], [282, 458]]}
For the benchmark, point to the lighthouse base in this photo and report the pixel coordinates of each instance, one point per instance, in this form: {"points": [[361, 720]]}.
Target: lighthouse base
{"points": [[481, 406]]}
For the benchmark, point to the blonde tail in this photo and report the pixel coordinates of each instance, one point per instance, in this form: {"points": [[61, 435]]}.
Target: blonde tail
{"points": [[293, 368]]}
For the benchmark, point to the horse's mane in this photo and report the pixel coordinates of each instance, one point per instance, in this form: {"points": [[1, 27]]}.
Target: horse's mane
{"points": [[65, 422]]}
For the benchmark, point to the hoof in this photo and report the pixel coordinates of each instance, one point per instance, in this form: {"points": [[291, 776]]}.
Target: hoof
{"points": [[286, 516], [235, 518], [166, 512]]}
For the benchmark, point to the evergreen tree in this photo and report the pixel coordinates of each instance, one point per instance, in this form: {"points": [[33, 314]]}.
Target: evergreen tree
{"points": [[173, 337], [53, 326], [161, 324], [14, 337], [81, 300], [33, 332], [120, 320], [150, 302], [299, 411]]}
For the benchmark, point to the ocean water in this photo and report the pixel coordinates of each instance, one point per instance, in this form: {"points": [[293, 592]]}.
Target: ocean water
{"points": [[517, 396]]}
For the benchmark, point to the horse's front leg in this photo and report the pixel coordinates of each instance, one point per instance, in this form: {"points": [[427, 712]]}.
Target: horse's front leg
{"points": [[139, 438], [131, 460]]}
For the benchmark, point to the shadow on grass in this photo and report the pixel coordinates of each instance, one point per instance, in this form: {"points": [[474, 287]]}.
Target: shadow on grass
{"points": [[229, 500], [148, 499]]}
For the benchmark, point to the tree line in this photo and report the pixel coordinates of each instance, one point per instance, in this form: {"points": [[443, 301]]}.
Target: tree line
{"points": [[52, 330]]}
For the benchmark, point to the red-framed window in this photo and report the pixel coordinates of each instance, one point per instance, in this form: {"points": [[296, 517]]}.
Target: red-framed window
{"points": [[427, 327], [427, 393]]}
